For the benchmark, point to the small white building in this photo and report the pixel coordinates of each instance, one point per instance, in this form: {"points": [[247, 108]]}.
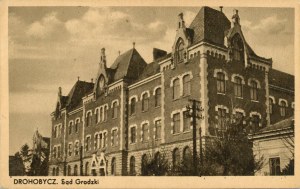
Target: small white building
{"points": [[276, 144]]}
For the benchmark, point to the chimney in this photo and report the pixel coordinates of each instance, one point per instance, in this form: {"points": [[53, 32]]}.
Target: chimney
{"points": [[181, 23], [133, 44], [235, 18], [158, 53]]}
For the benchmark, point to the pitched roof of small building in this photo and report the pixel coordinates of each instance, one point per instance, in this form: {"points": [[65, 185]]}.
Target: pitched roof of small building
{"points": [[284, 124], [281, 79]]}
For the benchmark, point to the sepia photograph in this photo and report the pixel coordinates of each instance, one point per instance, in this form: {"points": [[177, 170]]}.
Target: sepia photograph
{"points": [[170, 91]]}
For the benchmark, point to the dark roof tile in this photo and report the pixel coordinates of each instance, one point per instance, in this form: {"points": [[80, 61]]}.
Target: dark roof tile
{"points": [[281, 79]]}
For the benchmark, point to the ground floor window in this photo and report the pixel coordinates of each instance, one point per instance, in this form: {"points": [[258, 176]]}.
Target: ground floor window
{"points": [[274, 164]]}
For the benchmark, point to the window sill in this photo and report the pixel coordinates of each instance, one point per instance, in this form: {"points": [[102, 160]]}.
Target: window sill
{"points": [[157, 139], [132, 143], [184, 132], [174, 134], [157, 106], [255, 101], [114, 118], [144, 111], [220, 93], [238, 97]]}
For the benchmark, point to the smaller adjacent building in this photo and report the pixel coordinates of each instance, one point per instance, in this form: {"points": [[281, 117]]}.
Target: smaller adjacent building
{"points": [[276, 145]]}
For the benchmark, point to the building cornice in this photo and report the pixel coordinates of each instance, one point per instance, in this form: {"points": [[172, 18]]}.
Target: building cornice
{"points": [[281, 89], [144, 81]]}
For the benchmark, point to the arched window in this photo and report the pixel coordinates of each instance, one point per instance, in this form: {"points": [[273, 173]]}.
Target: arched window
{"points": [[113, 166], [176, 88], [70, 150], [220, 82], [271, 105], [132, 106], [144, 163], [101, 114], [115, 110], [157, 97], [88, 119], [75, 170], [76, 148], [77, 125], [253, 90], [186, 121], [180, 51], [237, 48], [53, 171], [57, 171], [97, 120], [176, 159], [69, 170], [145, 132], [282, 108], [176, 123], [132, 166], [145, 102], [238, 87], [157, 129], [186, 85], [187, 154], [70, 127], [105, 113], [87, 169]]}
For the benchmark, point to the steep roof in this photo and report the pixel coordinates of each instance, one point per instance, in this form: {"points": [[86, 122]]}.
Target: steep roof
{"points": [[79, 90], [210, 25], [151, 69], [281, 79], [129, 64]]}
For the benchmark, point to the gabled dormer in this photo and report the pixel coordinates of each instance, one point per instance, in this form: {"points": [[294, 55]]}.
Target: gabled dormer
{"points": [[182, 41]]}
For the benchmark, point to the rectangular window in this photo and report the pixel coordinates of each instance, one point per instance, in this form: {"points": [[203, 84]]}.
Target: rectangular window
{"points": [[114, 137], [274, 164], [222, 118], [186, 85], [145, 102], [115, 110], [238, 87], [70, 149], [158, 129], [176, 122], [104, 140], [186, 121], [76, 148], [176, 89], [253, 91], [133, 134], [220, 82], [58, 151], [145, 129]]}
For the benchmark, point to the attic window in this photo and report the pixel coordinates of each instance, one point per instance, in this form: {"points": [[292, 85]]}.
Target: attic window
{"points": [[237, 48], [179, 51]]}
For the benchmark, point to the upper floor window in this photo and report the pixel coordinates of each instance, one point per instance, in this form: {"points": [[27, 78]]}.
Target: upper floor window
{"points": [[237, 48], [88, 143], [89, 119], [97, 120], [176, 158], [132, 134], [238, 87], [282, 105], [70, 127], [114, 137], [76, 148], [54, 152], [220, 82], [157, 129], [55, 131], [253, 90], [145, 102], [114, 109], [176, 88], [101, 114], [70, 149], [186, 85], [132, 106], [255, 122], [157, 97], [176, 123], [145, 132], [58, 151], [186, 121], [104, 139], [180, 50], [77, 125]]}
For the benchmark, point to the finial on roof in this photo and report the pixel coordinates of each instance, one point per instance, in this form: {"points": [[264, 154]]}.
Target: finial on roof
{"points": [[221, 8], [181, 23], [133, 44], [235, 17]]}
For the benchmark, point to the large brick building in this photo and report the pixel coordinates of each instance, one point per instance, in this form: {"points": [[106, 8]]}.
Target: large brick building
{"points": [[135, 109]]}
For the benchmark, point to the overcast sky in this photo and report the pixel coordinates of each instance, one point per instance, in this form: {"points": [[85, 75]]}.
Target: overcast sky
{"points": [[50, 46]]}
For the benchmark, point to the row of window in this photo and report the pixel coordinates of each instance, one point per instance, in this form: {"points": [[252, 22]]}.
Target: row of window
{"points": [[145, 131], [181, 85], [145, 100], [238, 81], [283, 104]]}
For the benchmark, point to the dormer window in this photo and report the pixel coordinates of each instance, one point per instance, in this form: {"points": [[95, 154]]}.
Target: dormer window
{"points": [[237, 48], [180, 51]]}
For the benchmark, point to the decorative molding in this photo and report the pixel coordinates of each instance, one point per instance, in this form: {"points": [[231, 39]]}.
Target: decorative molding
{"points": [[114, 101], [155, 88], [255, 113], [144, 81], [273, 99], [133, 97], [255, 80], [283, 100], [216, 71], [235, 110], [145, 92], [237, 75], [75, 111], [221, 107]]}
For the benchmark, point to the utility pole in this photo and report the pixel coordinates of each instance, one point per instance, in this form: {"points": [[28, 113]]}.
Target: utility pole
{"points": [[193, 113]]}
